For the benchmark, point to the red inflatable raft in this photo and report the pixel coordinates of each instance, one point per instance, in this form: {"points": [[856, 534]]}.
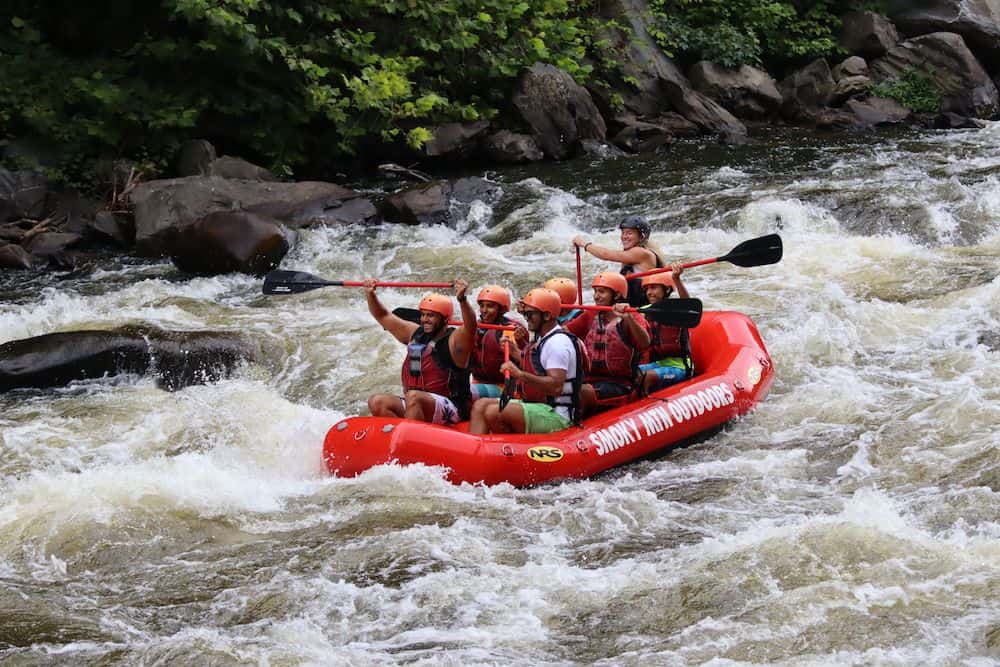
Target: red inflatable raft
{"points": [[734, 374]]}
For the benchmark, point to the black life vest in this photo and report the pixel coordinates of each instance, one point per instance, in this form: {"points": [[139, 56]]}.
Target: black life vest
{"points": [[637, 295], [531, 360], [428, 366]]}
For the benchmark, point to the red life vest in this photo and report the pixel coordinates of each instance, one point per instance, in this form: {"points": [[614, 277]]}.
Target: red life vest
{"points": [[531, 362], [612, 356], [428, 366], [667, 341], [487, 355]]}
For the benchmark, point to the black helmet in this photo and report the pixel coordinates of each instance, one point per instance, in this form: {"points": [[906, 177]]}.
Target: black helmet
{"points": [[636, 223]]}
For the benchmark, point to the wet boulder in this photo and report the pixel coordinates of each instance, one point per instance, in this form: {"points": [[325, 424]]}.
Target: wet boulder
{"points": [[943, 58], [508, 147], [437, 202], [164, 207], [639, 136], [875, 111], [177, 359], [115, 226], [230, 241], [459, 140], [807, 89], [559, 111], [14, 257]]}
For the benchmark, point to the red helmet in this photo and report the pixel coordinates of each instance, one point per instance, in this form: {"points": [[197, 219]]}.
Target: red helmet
{"points": [[615, 282], [665, 278], [545, 300], [496, 294], [564, 287], [437, 303]]}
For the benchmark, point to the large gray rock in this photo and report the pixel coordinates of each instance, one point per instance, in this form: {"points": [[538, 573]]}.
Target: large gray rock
{"points": [[876, 111], [14, 257], [456, 139], [49, 245], [853, 66], [943, 57], [868, 34], [22, 195], [650, 83], [638, 136], [747, 92], [977, 21], [194, 157], [848, 87], [177, 359], [238, 168], [807, 89], [559, 111], [512, 148], [165, 206], [436, 202], [230, 241]]}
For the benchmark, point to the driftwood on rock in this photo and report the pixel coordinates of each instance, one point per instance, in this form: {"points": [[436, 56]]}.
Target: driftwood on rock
{"points": [[177, 359]]}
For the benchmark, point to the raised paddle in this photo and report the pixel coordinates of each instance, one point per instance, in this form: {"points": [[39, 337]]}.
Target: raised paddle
{"points": [[755, 252], [683, 313], [413, 315], [508, 381], [295, 282], [579, 277]]}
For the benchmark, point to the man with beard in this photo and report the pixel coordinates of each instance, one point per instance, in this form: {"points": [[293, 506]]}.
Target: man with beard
{"points": [[614, 340], [548, 378], [435, 371], [638, 254], [488, 349]]}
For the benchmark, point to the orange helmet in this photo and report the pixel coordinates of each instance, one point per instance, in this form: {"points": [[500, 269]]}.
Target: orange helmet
{"points": [[496, 294], [437, 303], [665, 278], [545, 300], [564, 287], [616, 282]]}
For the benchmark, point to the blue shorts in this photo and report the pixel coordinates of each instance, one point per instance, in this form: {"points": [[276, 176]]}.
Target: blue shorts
{"points": [[668, 371], [486, 390]]}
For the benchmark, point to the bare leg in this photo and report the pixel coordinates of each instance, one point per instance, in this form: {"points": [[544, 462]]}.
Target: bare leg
{"points": [[650, 381], [588, 400], [477, 420], [512, 418], [385, 405], [492, 415], [419, 405]]}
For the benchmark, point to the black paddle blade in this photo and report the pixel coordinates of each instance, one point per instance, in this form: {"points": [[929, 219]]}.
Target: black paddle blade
{"points": [[408, 314], [683, 313], [508, 391], [293, 282], [756, 252]]}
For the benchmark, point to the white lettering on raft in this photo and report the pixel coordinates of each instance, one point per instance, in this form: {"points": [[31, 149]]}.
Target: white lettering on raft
{"points": [[658, 418]]}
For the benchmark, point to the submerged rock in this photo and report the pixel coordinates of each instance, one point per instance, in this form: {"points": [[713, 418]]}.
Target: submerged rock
{"points": [[177, 358]]}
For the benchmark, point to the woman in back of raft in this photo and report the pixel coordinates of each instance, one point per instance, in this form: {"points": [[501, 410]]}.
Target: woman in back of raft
{"points": [[636, 254]]}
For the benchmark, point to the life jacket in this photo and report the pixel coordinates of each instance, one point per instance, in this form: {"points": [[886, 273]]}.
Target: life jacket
{"points": [[531, 362], [667, 341], [428, 366], [487, 355], [612, 357], [637, 295]]}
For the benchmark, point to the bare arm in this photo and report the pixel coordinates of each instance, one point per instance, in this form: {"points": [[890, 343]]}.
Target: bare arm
{"points": [[641, 258], [675, 271], [637, 332], [401, 329], [460, 343]]}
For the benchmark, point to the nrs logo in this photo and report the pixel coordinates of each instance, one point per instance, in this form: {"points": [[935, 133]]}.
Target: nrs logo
{"points": [[545, 454]]}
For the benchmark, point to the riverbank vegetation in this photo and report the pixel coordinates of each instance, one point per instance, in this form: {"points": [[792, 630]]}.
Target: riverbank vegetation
{"points": [[303, 86]]}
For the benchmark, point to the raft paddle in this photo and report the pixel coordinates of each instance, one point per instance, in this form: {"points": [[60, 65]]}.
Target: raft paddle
{"points": [[755, 252], [295, 282], [508, 381], [413, 315], [579, 277], [683, 313]]}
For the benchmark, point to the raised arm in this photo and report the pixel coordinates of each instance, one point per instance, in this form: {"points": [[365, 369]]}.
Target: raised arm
{"points": [[461, 342], [644, 258], [676, 269], [402, 330]]}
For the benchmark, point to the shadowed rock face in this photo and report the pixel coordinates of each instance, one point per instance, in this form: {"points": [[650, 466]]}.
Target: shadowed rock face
{"points": [[177, 359]]}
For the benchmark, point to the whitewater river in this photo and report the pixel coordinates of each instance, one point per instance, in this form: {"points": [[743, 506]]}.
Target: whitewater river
{"points": [[852, 519]]}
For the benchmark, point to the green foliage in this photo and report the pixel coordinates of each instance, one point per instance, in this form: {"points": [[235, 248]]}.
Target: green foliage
{"points": [[731, 33], [291, 83], [913, 90]]}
